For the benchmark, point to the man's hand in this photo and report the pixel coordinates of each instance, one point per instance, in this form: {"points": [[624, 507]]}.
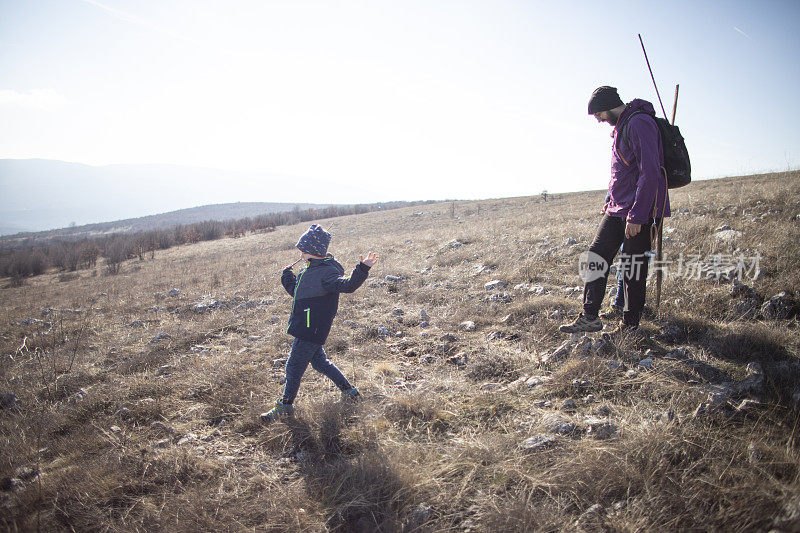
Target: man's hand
{"points": [[370, 260], [631, 230]]}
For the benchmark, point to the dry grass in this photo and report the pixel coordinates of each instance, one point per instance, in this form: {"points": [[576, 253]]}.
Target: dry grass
{"points": [[131, 434]]}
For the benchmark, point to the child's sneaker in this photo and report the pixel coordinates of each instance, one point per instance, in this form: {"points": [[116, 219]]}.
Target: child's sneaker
{"points": [[279, 411], [351, 394]]}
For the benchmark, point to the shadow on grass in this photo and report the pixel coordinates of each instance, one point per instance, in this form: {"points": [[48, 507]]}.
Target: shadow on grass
{"points": [[739, 344], [748, 344], [755, 342], [361, 488]]}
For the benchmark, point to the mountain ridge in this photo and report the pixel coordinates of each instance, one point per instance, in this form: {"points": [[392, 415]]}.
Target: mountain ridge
{"points": [[189, 215], [46, 194]]}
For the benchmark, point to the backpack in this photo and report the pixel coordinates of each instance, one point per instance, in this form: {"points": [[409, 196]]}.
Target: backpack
{"points": [[676, 157]]}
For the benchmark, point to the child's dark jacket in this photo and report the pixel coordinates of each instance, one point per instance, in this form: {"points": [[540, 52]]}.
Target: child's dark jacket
{"points": [[316, 296]]}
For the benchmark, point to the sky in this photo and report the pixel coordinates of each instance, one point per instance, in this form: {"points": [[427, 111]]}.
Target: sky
{"points": [[373, 100]]}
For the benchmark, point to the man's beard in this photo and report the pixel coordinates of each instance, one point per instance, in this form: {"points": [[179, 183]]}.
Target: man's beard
{"points": [[613, 118]]}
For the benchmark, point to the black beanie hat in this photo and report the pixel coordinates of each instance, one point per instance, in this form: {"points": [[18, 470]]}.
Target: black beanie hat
{"points": [[604, 98]]}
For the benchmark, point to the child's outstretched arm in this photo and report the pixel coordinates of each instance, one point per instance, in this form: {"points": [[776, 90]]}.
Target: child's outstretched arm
{"points": [[334, 283]]}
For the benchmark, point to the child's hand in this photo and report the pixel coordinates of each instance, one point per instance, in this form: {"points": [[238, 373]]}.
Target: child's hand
{"points": [[370, 260]]}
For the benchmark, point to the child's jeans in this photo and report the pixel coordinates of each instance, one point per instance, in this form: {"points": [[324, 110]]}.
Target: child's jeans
{"points": [[304, 352]]}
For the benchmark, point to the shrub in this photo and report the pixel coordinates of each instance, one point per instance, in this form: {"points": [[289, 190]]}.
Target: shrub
{"points": [[115, 253]]}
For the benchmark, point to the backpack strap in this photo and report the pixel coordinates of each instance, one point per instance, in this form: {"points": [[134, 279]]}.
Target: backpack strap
{"points": [[623, 132]]}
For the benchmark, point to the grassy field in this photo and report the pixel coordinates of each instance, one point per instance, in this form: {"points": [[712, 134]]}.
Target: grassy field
{"points": [[126, 408]]}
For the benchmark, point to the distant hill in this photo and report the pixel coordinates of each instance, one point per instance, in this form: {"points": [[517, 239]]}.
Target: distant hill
{"points": [[219, 212], [41, 194]]}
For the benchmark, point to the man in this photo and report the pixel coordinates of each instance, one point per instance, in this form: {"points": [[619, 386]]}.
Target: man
{"points": [[636, 201]]}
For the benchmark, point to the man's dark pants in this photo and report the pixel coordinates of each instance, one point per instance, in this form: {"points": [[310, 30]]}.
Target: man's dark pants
{"points": [[610, 236]]}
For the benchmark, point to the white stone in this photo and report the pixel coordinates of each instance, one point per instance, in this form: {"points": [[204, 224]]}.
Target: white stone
{"points": [[186, 439], [495, 284], [727, 235], [539, 442], [533, 381]]}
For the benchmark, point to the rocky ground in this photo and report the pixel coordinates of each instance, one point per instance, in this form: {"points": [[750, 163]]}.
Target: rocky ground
{"points": [[130, 402]]}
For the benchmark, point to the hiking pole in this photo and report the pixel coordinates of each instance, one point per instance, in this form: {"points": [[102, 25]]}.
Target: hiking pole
{"points": [[675, 104], [653, 77], [661, 225], [658, 264]]}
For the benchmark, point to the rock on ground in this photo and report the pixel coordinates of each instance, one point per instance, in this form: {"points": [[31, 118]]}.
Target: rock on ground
{"points": [[559, 353], [781, 306], [494, 285], [556, 424], [8, 401], [538, 442]]}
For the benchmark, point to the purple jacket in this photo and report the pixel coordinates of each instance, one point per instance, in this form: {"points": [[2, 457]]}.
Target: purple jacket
{"points": [[637, 182]]}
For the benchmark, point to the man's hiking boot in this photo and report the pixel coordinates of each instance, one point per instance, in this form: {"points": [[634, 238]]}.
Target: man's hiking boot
{"points": [[614, 312], [351, 394], [279, 411], [582, 324]]}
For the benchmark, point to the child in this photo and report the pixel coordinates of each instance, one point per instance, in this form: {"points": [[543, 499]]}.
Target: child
{"points": [[315, 295]]}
